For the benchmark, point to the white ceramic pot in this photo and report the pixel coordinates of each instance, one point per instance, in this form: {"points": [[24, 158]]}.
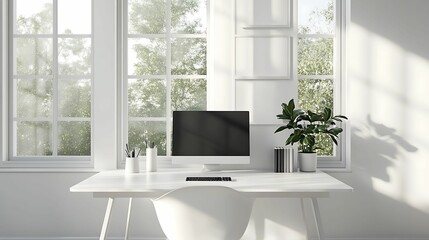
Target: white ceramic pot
{"points": [[307, 162], [132, 165], [151, 155]]}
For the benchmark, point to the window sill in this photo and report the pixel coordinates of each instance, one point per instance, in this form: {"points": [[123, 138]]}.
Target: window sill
{"points": [[335, 170], [48, 170]]}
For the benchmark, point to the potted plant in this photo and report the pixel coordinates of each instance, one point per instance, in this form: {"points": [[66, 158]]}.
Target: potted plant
{"points": [[305, 125]]}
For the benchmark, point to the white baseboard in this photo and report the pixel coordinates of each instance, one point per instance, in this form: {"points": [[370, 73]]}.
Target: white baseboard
{"points": [[75, 238], [140, 238], [384, 238]]}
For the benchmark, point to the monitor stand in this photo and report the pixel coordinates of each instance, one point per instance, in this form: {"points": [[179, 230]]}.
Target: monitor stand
{"points": [[211, 167]]}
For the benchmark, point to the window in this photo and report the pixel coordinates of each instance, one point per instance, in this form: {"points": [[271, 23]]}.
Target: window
{"points": [[50, 80], [320, 67], [165, 66], [57, 80]]}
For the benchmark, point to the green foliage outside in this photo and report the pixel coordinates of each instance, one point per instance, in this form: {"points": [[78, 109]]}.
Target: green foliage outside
{"points": [[148, 97], [315, 95], [315, 57], [34, 95]]}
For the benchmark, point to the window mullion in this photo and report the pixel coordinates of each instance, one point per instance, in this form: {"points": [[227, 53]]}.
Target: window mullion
{"points": [[123, 55], [323, 77], [168, 77], [30, 35], [316, 35], [11, 57], [337, 56], [55, 80]]}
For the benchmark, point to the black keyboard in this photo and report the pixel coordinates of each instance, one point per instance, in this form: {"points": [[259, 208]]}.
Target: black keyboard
{"points": [[225, 179]]}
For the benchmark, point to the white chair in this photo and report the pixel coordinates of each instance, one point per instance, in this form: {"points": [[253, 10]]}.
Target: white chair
{"points": [[203, 212]]}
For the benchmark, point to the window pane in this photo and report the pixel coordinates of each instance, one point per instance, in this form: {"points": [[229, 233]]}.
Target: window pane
{"points": [[33, 56], [68, 23], [33, 17], [146, 56], [74, 56], [146, 98], [188, 16], [316, 16], [75, 98], [33, 97], [33, 138], [152, 131], [315, 56], [188, 56], [146, 16], [74, 138], [189, 94], [326, 147], [315, 95]]}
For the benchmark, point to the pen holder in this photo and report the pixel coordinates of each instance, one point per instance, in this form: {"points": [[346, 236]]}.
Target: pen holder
{"points": [[132, 165], [151, 155]]}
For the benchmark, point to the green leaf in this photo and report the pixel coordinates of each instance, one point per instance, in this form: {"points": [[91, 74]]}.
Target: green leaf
{"points": [[288, 110], [309, 140], [327, 114], [289, 139], [333, 139], [281, 116], [310, 129], [291, 125], [304, 117], [336, 130], [297, 113], [341, 116], [281, 129], [291, 104], [296, 137], [332, 122], [314, 117], [337, 119]]}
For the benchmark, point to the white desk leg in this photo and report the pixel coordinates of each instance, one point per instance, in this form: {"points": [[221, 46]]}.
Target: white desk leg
{"points": [[106, 219], [128, 218], [318, 221], [306, 220]]}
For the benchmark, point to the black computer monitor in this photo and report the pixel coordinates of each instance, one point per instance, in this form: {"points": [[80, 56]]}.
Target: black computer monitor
{"points": [[211, 137]]}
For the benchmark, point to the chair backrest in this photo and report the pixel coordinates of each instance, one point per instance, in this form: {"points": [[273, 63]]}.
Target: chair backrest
{"points": [[203, 212]]}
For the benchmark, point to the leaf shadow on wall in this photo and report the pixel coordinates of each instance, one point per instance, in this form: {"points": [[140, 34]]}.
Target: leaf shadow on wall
{"points": [[382, 144], [380, 202]]}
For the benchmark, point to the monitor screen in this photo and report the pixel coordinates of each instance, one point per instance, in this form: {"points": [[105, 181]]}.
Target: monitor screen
{"points": [[211, 133]]}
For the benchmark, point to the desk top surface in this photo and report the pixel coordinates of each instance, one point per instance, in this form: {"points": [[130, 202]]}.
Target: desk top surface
{"points": [[256, 183]]}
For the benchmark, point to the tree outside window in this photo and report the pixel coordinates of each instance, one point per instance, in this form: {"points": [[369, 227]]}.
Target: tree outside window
{"points": [[166, 66]]}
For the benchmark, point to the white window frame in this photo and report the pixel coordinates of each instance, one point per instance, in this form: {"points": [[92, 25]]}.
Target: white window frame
{"points": [[341, 160], [56, 78], [103, 97], [3, 82], [168, 77], [108, 118]]}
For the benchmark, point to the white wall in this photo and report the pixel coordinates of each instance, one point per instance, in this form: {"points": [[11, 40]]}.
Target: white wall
{"points": [[388, 106], [388, 73]]}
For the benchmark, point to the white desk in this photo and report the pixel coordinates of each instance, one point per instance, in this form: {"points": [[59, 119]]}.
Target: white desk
{"points": [[114, 184]]}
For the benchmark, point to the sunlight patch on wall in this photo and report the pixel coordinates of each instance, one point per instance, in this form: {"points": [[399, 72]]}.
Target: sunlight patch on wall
{"points": [[389, 105]]}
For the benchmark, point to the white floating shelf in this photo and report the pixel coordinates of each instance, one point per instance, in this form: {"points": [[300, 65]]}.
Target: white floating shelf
{"points": [[266, 26]]}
